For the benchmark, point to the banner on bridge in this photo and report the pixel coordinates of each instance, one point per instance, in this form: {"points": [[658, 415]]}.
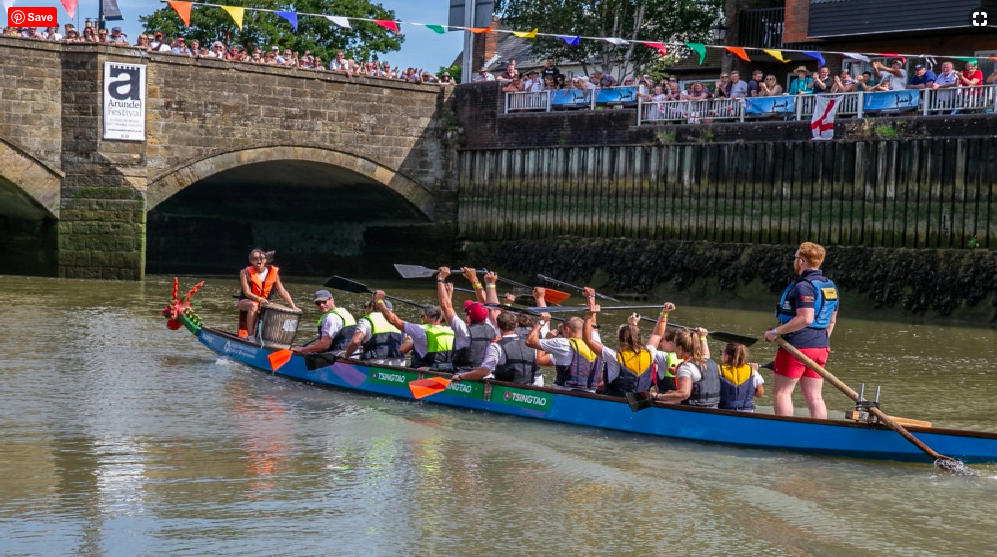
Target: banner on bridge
{"points": [[124, 101], [890, 101], [781, 105]]}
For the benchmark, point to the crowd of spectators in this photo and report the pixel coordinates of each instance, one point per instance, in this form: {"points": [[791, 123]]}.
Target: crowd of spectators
{"points": [[218, 50]]}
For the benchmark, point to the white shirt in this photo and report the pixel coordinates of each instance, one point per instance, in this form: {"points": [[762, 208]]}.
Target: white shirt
{"points": [[331, 325], [897, 83], [462, 335], [560, 349]]}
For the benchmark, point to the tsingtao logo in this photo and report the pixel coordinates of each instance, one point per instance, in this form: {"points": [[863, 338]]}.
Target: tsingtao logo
{"points": [[33, 16]]}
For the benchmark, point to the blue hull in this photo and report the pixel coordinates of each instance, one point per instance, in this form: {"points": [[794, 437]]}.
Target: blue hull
{"points": [[760, 431]]}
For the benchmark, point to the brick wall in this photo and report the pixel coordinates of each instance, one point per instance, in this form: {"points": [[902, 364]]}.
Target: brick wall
{"points": [[794, 28]]}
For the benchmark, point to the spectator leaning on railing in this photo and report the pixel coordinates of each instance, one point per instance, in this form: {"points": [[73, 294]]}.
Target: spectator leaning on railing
{"points": [[895, 76], [803, 84], [923, 78]]}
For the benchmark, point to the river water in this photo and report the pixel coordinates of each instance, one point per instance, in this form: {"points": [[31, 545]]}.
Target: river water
{"points": [[123, 438]]}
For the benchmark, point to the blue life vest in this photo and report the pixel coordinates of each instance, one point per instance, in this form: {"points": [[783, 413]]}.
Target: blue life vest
{"points": [[706, 391], [582, 372], [736, 396], [520, 362], [470, 357], [629, 381], [825, 301]]}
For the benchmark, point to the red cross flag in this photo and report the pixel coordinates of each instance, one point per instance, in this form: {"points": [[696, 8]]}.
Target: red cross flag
{"points": [[822, 122]]}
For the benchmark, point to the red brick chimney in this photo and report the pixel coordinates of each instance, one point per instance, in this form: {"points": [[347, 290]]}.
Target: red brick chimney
{"points": [[486, 45], [794, 27]]}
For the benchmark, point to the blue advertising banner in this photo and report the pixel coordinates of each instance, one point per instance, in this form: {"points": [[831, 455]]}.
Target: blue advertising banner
{"points": [[617, 95], [897, 101], [568, 98], [770, 105]]}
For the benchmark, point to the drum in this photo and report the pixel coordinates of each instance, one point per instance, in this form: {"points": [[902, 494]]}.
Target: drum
{"points": [[278, 325]]}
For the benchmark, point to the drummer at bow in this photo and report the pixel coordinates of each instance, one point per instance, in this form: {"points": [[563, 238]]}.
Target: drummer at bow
{"points": [[258, 280]]}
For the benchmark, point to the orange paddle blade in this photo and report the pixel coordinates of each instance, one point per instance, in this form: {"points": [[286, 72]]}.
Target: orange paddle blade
{"points": [[421, 388], [555, 296], [279, 358]]}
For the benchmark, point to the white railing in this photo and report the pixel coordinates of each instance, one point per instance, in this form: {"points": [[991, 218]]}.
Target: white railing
{"points": [[522, 101], [954, 100]]}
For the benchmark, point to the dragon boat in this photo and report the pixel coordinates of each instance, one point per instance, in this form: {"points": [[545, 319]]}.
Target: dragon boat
{"points": [[855, 438]]}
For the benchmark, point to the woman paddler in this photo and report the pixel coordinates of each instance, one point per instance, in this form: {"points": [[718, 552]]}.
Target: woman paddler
{"points": [[258, 281], [630, 368]]}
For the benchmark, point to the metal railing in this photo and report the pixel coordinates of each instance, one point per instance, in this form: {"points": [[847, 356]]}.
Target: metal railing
{"points": [[568, 99], [954, 100], [761, 28]]}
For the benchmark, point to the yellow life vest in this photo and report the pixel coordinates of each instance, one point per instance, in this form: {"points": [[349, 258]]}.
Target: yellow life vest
{"points": [[636, 362], [578, 345], [736, 375]]}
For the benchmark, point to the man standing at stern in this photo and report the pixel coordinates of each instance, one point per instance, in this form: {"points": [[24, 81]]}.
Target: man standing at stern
{"points": [[806, 312]]}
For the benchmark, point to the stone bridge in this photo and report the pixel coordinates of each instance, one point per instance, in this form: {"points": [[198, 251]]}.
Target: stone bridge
{"points": [[330, 171]]}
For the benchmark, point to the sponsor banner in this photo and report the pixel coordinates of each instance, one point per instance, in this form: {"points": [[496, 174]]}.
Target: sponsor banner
{"points": [[891, 100], [124, 101], [770, 105], [525, 399], [467, 389], [568, 97], [617, 95], [391, 377]]}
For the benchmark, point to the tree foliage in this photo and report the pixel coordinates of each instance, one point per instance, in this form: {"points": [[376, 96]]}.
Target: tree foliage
{"points": [[363, 41], [665, 21]]}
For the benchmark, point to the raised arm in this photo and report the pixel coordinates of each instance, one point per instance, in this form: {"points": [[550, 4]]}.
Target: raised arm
{"points": [[387, 313], [444, 290], [659, 327], [587, 327], [490, 294], [533, 339], [471, 274], [701, 333]]}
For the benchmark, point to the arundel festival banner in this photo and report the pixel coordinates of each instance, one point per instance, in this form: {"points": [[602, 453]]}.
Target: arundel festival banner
{"points": [[124, 101]]}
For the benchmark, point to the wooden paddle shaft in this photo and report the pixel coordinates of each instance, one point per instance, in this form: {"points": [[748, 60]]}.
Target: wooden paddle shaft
{"points": [[883, 417]]}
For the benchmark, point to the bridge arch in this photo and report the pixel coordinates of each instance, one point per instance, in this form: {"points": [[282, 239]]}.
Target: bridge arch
{"points": [[29, 189], [172, 182]]}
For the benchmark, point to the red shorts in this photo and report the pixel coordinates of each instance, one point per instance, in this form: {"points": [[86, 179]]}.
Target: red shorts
{"points": [[788, 366]]}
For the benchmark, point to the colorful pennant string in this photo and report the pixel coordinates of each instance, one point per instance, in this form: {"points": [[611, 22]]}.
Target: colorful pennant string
{"points": [[339, 20], [739, 52], [236, 12], [183, 9], [291, 17], [70, 6]]}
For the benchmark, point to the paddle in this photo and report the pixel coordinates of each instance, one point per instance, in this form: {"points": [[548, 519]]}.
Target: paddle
{"points": [[347, 285], [418, 271], [421, 388], [578, 288], [640, 401], [719, 335], [945, 462], [521, 310], [537, 309], [279, 358]]}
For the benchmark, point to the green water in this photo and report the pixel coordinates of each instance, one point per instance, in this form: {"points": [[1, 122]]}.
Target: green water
{"points": [[123, 438]]}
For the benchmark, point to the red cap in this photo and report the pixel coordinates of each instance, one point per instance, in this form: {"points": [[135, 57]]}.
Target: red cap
{"points": [[477, 312]]}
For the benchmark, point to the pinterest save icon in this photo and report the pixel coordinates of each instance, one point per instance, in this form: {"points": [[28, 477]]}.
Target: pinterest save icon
{"points": [[32, 16]]}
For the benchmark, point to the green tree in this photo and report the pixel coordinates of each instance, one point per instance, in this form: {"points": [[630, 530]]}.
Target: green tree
{"points": [[664, 21], [363, 41]]}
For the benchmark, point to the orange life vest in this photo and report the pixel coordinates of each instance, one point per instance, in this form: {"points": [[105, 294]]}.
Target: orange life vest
{"points": [[260, 287]]}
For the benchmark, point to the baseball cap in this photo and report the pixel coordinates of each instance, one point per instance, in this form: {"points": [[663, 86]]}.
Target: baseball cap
{"points": [[116, 29], [321, 296], [477, 312], [274, 47], [919, 67]]}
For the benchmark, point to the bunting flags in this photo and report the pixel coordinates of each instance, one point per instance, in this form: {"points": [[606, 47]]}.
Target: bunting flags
{"points": [[8, 4], [699, 48], [662, 50], [738, 51], [816, 55], [387, 24], [182, 9], [291, 17], [70, 6], [236, 12], [339, 20]]}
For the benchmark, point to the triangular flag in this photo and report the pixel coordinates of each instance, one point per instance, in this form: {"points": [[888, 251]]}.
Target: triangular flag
{"points": [[183, 10], [480, 30], [387, 24], [700, 49], [967, 59], [616, 40], [70, 6], [856, 56], [573, 41], [291, 17], [659, 47], [738, 51], [816, 55], [8, 4], [777, 54], [438, 29], [903, 59], [339, 20], [526, 34], [236, 12], [280, 357]]}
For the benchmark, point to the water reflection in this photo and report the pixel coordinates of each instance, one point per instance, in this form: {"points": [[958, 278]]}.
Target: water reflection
{"points": [[123, 438]]}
